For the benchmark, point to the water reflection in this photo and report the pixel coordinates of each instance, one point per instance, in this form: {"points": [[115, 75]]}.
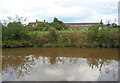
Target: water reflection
{"points": [[62, 64]]}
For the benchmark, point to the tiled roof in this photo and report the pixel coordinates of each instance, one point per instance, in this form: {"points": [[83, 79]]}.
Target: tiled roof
{"points": [[35, 22], [82, 23]]}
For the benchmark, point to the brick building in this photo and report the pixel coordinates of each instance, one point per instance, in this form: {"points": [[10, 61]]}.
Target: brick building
{"points": [[34, 24], [80, 26]]}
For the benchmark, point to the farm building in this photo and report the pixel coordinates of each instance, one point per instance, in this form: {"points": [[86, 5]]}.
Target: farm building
{"points": [[34, 24], [80, 26], [70, 26]]}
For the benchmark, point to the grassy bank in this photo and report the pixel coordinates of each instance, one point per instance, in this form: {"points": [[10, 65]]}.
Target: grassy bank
{"points": [[68, 31], [77, 39], [15, 34], [56, 34], [46, 32], [54, 38]]}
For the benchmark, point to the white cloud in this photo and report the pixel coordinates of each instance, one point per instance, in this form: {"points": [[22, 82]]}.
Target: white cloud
{"points": [[79, 10]]}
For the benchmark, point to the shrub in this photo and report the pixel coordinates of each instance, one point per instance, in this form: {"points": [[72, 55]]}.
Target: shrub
{"points": [[14, 32], [103, 37], [53, 34], [59, 25], [43, 26]]}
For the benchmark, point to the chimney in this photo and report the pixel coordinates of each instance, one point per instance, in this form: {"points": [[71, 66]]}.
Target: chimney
{"points": [[44, 20], [36, 20]]}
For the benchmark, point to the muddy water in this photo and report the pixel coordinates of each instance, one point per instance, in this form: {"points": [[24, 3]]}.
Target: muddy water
{"points": [[60, 64]]}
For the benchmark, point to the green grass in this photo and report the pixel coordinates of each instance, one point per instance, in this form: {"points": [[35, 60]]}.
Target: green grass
{"points": [[107, 38], [114, 30], [46, 32], [41, 32]]}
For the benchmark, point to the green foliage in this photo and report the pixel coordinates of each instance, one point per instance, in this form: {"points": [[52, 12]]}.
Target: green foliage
{"points": [[13, 34], [59, 25], [56, 25], [114, 25], [103, 37], [11, 43], [108, 24], [55, 19], [16, 19], [101, 22], [43, 26], [53, 34], [15, 31]]}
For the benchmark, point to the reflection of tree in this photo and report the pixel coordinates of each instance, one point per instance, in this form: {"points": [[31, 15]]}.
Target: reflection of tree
{"points": [[21, 65], [20, 61], [55, 61], [92, 62], [95, 63], [18, 64], [52, 60]]}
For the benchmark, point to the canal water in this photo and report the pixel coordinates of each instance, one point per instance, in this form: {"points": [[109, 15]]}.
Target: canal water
{"points": [[60, 64]]}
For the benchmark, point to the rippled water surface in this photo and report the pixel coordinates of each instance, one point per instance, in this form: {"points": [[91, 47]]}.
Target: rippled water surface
{"points": [[60, 64]]}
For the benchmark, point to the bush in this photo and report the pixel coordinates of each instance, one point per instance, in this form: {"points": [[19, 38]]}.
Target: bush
{"points": [[53, 34], [43, 26], [103, 37], [14, 33], [40, 39], [59, 25]]}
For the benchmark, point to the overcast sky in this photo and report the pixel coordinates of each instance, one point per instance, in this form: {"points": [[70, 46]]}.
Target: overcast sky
{"points": [[65, 10]]}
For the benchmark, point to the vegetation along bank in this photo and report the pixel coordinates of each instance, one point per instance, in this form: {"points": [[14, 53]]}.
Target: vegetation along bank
{"points": [[55, 34]]}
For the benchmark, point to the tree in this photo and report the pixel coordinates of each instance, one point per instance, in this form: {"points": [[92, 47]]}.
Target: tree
{"points": [[15, 31], [101, 22], [56, 25], [17, 19], [59, 25], [53, 34], [55, 19], [43, 26], [14, 34], [14, 19], [108, 23], [114, 25]]}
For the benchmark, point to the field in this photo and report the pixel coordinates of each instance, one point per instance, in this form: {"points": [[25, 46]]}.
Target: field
{"points": [[53, 38], [68, 31]]}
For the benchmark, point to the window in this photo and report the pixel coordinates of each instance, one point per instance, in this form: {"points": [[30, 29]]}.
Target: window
{"points": [[33, 25]]}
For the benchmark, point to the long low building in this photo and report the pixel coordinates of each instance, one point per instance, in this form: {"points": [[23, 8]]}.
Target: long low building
{"points": [[71, 26], [80, 26]]}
